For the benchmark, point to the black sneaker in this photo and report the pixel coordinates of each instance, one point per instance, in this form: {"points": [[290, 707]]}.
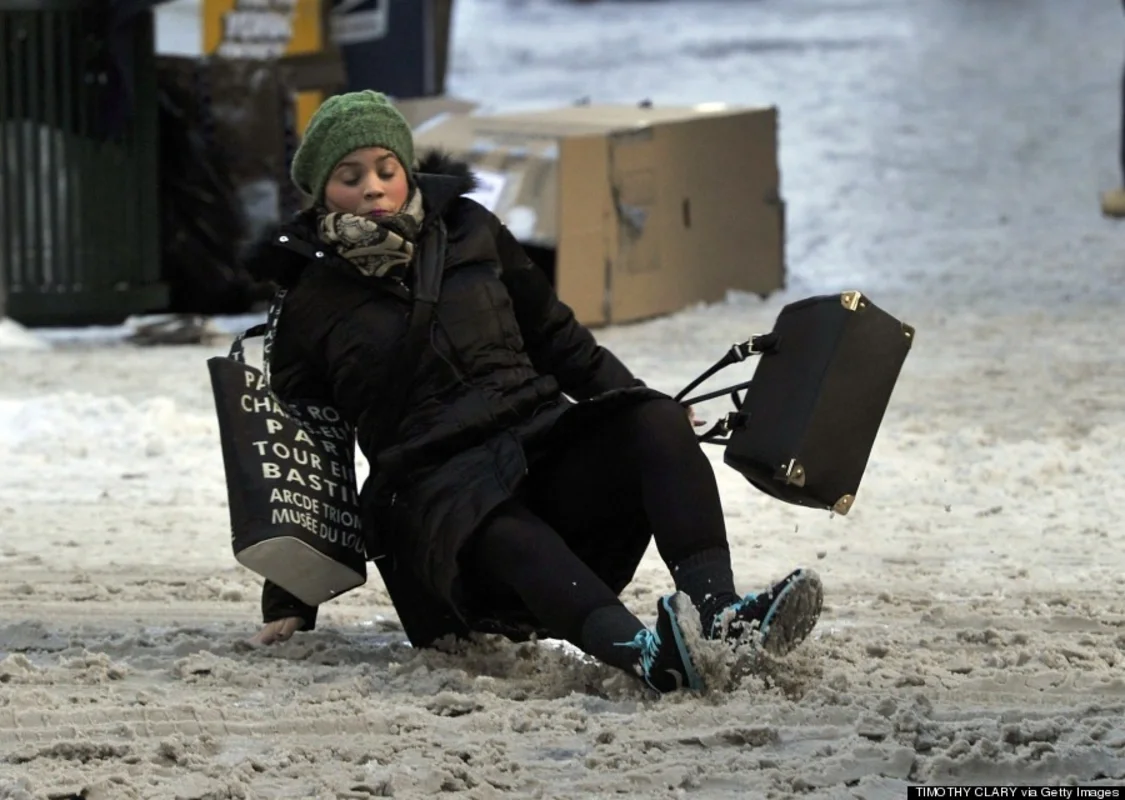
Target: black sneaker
{"points": [[665, 662], [785, 614]]}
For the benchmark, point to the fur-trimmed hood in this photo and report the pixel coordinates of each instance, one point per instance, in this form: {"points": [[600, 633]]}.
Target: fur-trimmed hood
{"points": [[442, 179], [280, 253]]}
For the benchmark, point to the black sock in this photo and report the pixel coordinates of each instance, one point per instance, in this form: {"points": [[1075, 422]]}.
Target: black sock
{"points": [[605, 634], [706, 574]]}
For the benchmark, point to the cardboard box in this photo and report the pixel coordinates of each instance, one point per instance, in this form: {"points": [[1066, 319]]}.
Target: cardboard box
{"points": [[643, 211], [421, 112]]}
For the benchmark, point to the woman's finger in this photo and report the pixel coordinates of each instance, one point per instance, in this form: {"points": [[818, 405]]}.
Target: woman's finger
{"points": [[270, 633], [289, 626], [264, 636]]}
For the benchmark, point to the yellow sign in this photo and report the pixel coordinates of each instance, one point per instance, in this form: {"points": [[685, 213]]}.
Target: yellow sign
{"points": [[307, 104], [262, 29], [267, 29]]}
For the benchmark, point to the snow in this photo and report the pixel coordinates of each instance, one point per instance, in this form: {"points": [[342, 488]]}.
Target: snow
{"points": [[14, 336], [933, 157]]}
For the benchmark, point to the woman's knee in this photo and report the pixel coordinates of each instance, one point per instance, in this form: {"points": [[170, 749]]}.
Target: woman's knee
{"points": [[661, 425], [510, 537]]}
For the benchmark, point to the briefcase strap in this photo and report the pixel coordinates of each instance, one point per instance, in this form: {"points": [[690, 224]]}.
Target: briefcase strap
{"points": [[740, 351]]}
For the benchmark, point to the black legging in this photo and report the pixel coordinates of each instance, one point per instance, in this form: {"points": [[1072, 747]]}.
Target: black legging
{"points": [[642, 467]]}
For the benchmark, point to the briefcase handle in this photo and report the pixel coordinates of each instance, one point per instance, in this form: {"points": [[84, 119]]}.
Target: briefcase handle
{"points": [[719, 433]]}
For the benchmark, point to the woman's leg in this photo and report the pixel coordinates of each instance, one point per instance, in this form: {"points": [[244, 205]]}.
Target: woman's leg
{"points": [[642, 461], [646, 461], [518, 550]]}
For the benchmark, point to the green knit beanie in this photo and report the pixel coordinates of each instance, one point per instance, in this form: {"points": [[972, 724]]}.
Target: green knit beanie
{"points": [[343, 123]]}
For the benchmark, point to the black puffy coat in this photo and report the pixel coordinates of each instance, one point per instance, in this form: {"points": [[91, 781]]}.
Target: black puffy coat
{"points": [[505, 361]]}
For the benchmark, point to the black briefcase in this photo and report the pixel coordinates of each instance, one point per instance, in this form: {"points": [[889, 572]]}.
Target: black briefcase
{"points": [[805, 429]]}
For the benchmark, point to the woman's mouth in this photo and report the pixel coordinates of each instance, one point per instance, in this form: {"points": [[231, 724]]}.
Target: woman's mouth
{"points": [[376, 213]]}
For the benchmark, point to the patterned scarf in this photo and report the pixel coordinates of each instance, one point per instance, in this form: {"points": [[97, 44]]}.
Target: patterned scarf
{"points": [[375, 248]]}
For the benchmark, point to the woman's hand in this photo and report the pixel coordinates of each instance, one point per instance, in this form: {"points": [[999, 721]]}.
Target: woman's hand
{"points": [[279, 630]]}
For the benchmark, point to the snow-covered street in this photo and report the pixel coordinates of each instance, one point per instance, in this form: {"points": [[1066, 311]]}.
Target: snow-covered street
{"points": [[944, 158]]}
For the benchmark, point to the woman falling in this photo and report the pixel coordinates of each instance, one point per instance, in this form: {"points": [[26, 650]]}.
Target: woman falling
{"points": [[521, 484]]}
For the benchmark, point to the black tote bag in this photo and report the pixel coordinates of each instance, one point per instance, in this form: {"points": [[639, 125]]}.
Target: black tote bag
{"points": [[295, 509], [291, 483]]}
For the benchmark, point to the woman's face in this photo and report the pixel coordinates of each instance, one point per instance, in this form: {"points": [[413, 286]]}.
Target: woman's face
{"points": [[369, 182]]}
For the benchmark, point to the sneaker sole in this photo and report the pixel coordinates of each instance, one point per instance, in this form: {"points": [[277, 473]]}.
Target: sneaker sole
{"points": [[673, 604], [793, 615]]}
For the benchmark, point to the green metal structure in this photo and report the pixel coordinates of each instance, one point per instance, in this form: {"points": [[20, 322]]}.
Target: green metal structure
{"points": [[79, 204]]}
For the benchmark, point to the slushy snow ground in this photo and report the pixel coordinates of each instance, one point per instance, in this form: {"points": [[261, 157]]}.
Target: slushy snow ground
{"points": [[974, 629], [14, 336]]}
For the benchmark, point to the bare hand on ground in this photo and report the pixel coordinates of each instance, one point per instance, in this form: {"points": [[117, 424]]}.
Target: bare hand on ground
{"points": [[279, 630]]}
